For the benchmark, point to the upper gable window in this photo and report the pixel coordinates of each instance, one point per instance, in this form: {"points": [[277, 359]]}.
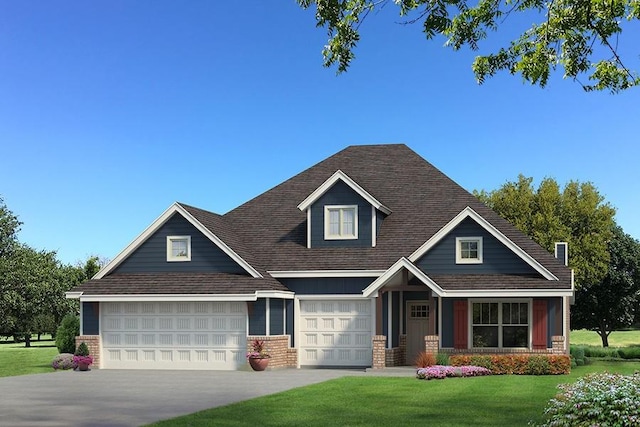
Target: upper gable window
{"points": [[341, 222], [178, 248], [468, 250]]}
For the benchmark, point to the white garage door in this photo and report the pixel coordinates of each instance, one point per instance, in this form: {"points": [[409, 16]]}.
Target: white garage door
{"points": [[173, 335], [335, 333]]}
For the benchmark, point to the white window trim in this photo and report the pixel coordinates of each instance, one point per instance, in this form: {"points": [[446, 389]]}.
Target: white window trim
{"points": [[327, 235], [500, 325], [170, 257], [459, 259]]}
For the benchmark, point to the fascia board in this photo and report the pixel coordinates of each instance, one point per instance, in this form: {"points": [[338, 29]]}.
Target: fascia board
{"points": [[72, 295], [168, 297], [297, 274], [339, 175], [508, 293], [373, 288], [468, 212], [275, 294]]}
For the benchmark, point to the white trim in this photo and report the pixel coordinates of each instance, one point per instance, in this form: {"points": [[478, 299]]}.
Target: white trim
{"points": [[339, 175], [267, 315], [389, 319], [373, 288], [275, 294], [401, 314], [296, 328], [82, 317], [508, 293], [327, 222], [500, 325], [329, 296], [460, 259], [187, 297], [155, 226], [374, 230], [186, 257], [470, 213], [565, 260], [293, 274], [309, 229], [439, 325], [72, 295]]}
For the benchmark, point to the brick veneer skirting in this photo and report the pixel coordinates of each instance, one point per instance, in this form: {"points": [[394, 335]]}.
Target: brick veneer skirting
{"points": [[282, 356], [93, 342]]}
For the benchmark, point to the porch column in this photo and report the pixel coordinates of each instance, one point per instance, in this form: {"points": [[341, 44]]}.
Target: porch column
{"points": [[379, 352], [379, 314]]}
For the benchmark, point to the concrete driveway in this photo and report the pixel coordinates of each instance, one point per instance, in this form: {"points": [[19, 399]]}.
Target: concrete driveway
{"points": [[132, 398]]}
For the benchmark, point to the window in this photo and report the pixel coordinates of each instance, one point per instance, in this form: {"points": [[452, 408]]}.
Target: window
{"points": [[419, 311], [468, 250], [500, 324], [178, 248], [340, 222]]}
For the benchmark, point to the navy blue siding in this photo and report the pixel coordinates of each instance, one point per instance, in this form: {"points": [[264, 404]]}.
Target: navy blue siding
{"points": [[328, 285], [385, 316], [340, 194], [276, 314], [90, 318], [379, 218], [258, 317], [289, 330], [497, 258], [447, 322], [395, 322], [151, 256]]}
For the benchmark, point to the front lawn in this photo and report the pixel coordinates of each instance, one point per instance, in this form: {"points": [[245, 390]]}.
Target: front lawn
{"points": [[15, 359], [616, 339], [505, 400]]}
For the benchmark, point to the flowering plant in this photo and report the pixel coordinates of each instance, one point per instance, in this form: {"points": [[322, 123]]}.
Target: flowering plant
{"points": [[82, 360], [441, 372], [63, 361], [258, 351]]}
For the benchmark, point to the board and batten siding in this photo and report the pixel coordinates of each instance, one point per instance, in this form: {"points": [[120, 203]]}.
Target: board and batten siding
{"points": [[90, 318], [327, 285], [497, 258], [340, 194], [151, 256]]}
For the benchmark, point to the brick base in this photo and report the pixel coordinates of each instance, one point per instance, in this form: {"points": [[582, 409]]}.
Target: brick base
{"points": [[379, 352], [282, 356], [93, 342]]}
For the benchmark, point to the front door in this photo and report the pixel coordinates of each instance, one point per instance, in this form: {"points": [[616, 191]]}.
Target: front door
{"points": [[418, 313]]}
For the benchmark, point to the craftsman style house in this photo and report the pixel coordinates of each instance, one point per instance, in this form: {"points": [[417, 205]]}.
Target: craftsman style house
{"points": [[363, 260]]}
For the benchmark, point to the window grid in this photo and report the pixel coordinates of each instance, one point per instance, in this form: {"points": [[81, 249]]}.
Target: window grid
{"points": [[341, 222], [500, 324]]}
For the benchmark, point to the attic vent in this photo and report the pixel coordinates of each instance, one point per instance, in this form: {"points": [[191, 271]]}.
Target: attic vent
{"points": [[562, 252]]}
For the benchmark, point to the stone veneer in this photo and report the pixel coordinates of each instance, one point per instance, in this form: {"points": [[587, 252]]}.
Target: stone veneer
{"points": [[93, 342], [282, 356]]}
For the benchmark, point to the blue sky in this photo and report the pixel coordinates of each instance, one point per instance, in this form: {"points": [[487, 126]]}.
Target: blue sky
{"points": [[112, 110]]}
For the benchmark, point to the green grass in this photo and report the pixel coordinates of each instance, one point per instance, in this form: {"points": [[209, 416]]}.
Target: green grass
{"points": [[15, 359], [507, 400], [616, 339]]}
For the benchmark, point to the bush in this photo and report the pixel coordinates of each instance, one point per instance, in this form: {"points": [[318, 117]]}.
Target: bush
{"points": [[425, 359], [593, 351], [596, 399], [519, 364], [66, 334], [442, 359], [441, 372], [82, 350], [63, 361], [629, 352]]}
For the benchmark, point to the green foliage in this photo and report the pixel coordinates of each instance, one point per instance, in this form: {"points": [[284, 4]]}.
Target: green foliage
{"points": [[82, 350], [578, 354], [629, 352], [66, 334], [9, 227], [518, 364], [442, 359], [580, 36], [597, 399]]}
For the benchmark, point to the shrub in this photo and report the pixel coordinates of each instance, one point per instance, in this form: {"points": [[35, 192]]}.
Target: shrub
{"points": [[442, 359], [593, 351], [519, 364], [82, 350], [425, 359], [440, 372], [596, 399], [629, 352], [63, 361], [66, 334]]}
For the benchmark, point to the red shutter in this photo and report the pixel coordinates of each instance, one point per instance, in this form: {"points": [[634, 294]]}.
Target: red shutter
{"points": [[539, 324], [460, 324]]}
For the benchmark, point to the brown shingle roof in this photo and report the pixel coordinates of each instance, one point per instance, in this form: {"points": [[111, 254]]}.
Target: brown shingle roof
{"points": [[456, 282]]}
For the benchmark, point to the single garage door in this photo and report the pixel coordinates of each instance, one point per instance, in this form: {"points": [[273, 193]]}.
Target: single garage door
{"points": [[335, 333], [173, 335]]}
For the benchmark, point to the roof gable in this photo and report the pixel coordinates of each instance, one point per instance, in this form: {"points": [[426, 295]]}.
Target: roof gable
{"points": [[470, 213], [333, 179], [176, 208]]}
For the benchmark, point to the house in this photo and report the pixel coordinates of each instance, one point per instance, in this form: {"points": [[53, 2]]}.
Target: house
{"points": [[363, 260]]}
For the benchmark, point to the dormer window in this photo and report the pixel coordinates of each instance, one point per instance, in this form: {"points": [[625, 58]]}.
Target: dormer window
{"points": [[341, 222], [178, 248], [468, 250]]}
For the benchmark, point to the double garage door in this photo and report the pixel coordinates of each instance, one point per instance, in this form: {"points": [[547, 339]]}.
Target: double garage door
{"points": [[335, 333], [174, 335]]}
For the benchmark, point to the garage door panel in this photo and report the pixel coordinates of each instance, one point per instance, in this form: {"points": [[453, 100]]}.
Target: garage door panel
{"points": [[179, 335], [335, 333]]}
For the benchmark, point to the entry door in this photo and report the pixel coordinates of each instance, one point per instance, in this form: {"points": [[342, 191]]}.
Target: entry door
{"points": [[418, 313]]}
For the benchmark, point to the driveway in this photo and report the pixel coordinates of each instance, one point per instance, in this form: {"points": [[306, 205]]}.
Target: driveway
{"points": [[135, 397]]}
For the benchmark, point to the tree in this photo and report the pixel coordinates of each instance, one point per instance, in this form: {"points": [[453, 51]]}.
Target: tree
{"points": [[611, 303], [9, 227], [581, 36], [577, 215]]}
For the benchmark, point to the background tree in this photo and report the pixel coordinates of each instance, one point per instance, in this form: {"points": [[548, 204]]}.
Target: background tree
{"points": [[611, 304], [581, 36], [9, 227], [576, 214]]}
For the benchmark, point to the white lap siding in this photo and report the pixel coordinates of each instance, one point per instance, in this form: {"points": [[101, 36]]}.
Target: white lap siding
{"points": [[173, 335]]}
